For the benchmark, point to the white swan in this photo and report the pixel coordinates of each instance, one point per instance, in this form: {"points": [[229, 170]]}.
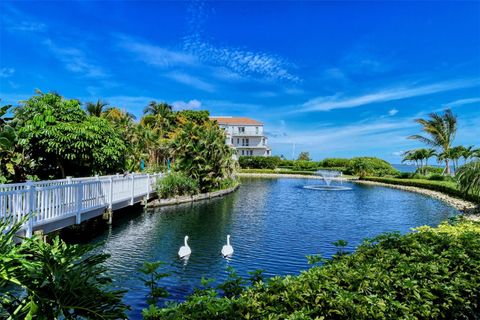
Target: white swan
{"points": [[227, 249], [184, 250]]}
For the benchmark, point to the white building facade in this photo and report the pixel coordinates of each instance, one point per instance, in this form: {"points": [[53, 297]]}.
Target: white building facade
{"points": [[245, 135]]}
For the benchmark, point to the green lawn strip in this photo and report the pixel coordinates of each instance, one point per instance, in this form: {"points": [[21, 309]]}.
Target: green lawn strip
{"points": [[447, 187]]}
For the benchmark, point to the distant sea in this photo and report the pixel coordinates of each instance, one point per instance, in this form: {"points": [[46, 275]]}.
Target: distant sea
{"points": [[405, 167], [409, 167]]}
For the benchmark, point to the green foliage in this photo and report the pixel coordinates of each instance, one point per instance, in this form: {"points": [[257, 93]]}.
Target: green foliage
{"points": [[468, 177], [176, 184], [55, 281], [278, 171], [201, 153], [258, 162], [430, 170], [364, 166], [63, 140], [305, 165], [152, 273], [304, 156], [447, 186], [440, 132], [335, 162], [197, 116], [433, 273]]}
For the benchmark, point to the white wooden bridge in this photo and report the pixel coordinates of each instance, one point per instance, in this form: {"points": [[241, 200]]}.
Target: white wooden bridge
{"points": [[55, 204]]}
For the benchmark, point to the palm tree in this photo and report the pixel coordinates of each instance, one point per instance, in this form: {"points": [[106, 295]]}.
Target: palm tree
{"points": [[455, 154], [468, 153], [162, 109], [468, 177], [440, 130], [96, 109]]}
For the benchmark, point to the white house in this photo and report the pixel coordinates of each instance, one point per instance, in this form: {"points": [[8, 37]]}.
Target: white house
{"points": [[245, 135]]}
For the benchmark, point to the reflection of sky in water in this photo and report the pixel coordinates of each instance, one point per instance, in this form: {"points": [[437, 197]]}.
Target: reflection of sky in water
{"points": [[274, 224]]}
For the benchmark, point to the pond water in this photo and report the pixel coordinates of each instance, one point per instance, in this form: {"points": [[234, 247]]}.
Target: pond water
{"points": [[273, 223]]}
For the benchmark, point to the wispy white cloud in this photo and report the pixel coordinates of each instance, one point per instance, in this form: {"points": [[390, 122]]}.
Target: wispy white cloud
{"points": [[462, 102], [391, 94], [191, 81], [6, 72], [187, 105], [238, 60], [155, 55], [392, 112], [15, 20], [75, 60]]}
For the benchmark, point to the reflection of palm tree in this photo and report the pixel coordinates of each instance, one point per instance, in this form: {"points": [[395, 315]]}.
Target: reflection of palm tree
{"points": [[96, 109], [441, 130]]}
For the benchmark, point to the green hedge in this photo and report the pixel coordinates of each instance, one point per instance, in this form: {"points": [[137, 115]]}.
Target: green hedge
{"points": [[335, 162], [258, 162], [447, 187], [433, 273], [364, 166], [278, 171]]}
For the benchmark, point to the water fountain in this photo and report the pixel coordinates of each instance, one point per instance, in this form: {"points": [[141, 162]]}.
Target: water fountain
{"points": [[328, 176]]}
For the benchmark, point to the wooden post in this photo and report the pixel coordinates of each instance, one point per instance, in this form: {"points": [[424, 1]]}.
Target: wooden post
{"points": [[79, 202], [31, 208], [133, 188]]}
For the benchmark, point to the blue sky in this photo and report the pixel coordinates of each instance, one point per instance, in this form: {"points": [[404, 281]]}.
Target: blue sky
{"points": [[333, 78]]}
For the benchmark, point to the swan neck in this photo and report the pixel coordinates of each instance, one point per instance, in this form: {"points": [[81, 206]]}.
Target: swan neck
{"points": [[186, 239], [228, 240]]}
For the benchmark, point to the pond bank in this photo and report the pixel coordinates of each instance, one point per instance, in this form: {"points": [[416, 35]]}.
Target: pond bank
{"points": [[468, 208], [193, 198]]}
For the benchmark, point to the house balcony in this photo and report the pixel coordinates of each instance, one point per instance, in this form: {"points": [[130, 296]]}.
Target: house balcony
{"points": [[251, 147]]}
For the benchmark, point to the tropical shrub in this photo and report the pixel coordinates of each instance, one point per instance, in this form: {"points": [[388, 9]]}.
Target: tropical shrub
{"points": [[370, 166], [468, 177], [304, 156], [201, 153], [447, 186], [54, 280], [430, 170], [258, 162], [305, 165], [63, 140], [431, 273], [176, 184], [335, 162]]}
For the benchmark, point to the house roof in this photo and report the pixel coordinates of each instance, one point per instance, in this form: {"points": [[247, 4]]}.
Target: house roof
{"points": [[236, 121]]}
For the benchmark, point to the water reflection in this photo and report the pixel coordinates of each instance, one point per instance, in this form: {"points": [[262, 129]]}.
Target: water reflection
{"points": [[274, 224]]}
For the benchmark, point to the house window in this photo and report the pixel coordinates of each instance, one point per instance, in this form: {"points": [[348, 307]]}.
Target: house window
{"points": [[256, 130], [251, 152], [243, 152], [238, 140], [241, 129]]}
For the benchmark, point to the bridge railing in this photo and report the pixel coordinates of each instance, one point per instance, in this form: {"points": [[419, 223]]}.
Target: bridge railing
{"points": [[43, 202]]}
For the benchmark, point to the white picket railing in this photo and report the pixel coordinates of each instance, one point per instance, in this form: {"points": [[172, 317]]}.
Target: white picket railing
{"points": [[49, 201]]}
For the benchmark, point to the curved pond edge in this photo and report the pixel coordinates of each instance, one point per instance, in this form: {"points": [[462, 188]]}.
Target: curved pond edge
{"points": [[468, 208], [193, 198]]}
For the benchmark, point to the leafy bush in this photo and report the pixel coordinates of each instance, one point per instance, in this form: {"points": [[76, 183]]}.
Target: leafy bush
{"points": [[447, 187], [258, 162], [430, 170], [335, 162], [54, 280], [432, 273], [201, 152], [365, 166], [305, 165], [176, 184], [468, 177], [278, 171], [436, 177]]}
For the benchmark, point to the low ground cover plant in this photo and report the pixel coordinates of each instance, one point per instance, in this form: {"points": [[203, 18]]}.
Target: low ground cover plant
{"points": [[177, 184], [431, 273]]}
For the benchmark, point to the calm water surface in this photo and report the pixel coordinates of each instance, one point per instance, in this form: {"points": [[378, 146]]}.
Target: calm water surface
{"points": [[274, 224]]}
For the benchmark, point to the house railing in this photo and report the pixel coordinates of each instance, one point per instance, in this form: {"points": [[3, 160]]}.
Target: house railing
{"points": [[43, 202]]}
